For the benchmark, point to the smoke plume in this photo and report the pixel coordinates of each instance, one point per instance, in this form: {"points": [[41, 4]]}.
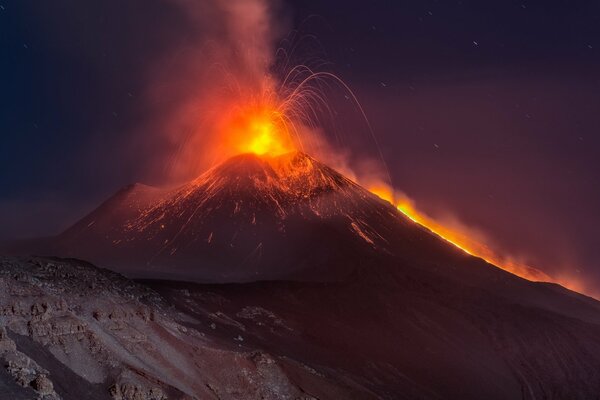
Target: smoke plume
{"points": [[224, 60]]}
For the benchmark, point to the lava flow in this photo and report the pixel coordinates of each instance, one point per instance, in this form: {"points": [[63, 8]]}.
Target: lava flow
{"points": [[460, 239]]}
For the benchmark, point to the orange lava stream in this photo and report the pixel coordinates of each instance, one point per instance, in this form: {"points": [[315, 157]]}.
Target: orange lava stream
{"points": [[461, 239], [471, 246]]}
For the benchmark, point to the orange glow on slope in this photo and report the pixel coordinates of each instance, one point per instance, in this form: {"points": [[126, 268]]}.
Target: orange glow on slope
{"points": [[460, 239]]}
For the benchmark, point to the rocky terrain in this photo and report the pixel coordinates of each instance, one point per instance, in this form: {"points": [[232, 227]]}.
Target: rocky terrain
{"points": [[69, 330]]}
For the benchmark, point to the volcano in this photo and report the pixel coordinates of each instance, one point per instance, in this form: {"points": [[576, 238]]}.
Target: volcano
{"points": [[285, 255], [250, 218]]}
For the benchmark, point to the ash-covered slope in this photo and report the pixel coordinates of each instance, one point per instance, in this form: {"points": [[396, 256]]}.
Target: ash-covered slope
{"points": [[248, 219]]}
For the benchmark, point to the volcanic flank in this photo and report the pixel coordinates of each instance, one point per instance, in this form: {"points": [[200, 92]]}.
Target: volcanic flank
{"points": [[249, 218], [328, 290]]}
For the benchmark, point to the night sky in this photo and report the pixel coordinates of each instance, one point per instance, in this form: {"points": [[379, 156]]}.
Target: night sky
{"points": [[486, 111]]}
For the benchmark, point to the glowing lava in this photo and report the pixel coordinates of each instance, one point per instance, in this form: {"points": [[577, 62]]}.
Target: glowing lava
{"points": [[459, 238], [264, 138], [259, 131]]}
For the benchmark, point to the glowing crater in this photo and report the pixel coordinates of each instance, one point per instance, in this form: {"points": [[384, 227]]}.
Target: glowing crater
{"points": [[259, 130]]}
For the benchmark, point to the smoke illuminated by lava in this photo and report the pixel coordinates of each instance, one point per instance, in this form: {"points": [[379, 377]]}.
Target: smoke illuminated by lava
{"points": [[227, 92]]}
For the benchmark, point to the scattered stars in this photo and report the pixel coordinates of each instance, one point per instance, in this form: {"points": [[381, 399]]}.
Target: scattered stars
{"points": [[475, 43]]}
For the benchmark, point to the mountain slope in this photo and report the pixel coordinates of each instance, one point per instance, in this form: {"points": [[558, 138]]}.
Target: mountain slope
{"points": [[250, 218]]}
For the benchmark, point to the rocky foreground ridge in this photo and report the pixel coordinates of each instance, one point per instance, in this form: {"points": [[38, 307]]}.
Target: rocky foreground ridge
{"points": [[69, 330]]}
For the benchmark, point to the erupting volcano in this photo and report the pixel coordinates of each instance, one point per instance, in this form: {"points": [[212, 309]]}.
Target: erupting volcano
{"points": [[269, 211], [275, 123], [350, 295], [273, 256], [353, 298]]}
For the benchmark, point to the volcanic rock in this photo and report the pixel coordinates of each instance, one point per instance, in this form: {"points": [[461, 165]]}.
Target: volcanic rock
{"points": [[63, 338]]}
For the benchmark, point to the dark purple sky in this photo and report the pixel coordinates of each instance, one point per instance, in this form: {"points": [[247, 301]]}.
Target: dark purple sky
{"points": [[488, 110]]}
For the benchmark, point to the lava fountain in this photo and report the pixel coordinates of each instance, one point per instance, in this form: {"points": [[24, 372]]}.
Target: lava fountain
{"points": [[260, 130]]}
